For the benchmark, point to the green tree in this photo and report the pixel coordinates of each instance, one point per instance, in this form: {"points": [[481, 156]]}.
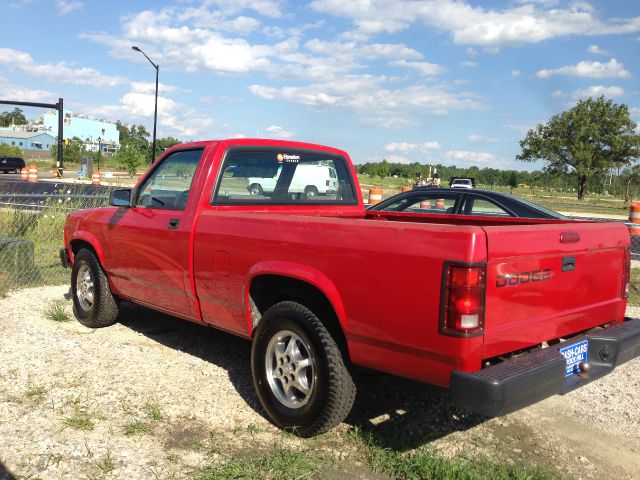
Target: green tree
{"points": [[588, 139], [384, 170], [9, 151], [72, 150], [16, 117], [163, 143], [135, 135], [130, 156]]}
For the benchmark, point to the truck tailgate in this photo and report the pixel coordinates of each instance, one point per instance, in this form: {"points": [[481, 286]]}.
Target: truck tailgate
{"points": [[549, 281]]}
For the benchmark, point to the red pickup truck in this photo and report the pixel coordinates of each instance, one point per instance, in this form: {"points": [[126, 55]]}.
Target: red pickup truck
{"points": [[504, 311]]}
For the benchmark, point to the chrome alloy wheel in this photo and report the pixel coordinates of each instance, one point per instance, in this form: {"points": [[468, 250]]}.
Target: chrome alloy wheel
{"points": [[290, 369], [85, 292]]}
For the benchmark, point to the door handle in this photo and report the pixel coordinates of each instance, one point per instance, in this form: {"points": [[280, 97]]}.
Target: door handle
{"points": [[174, 222]]}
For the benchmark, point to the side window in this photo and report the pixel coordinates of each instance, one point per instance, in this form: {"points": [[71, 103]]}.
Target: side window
{"points": [[431, 203], [169, 184], [479, 206], [283, 177]]}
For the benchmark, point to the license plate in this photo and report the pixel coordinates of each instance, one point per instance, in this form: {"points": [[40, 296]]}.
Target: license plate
{"points": [[574, 355]]}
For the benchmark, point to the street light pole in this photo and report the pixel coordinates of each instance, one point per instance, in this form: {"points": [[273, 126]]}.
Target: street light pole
{"points": [[155, 111]]}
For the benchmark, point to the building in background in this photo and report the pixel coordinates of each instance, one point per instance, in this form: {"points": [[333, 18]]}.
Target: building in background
{"points": [[36, 141], [96, 134]]}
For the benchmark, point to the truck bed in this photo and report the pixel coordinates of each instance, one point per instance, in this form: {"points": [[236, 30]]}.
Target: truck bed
{"points": [[399, 257]]}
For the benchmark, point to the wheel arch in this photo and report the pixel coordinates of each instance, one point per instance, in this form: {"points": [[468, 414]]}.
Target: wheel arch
{"points": [[86, 240], [273, 282]]}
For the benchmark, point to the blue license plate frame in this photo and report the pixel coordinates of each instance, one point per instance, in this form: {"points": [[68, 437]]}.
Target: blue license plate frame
{"points": [[575, 354]]}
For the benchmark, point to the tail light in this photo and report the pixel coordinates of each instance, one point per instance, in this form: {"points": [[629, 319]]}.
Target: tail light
{"points": [[626, 277], [463, 294]]}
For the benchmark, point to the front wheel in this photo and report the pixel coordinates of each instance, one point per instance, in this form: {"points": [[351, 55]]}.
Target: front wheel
{"points": [[93, 304], [299, 372]]}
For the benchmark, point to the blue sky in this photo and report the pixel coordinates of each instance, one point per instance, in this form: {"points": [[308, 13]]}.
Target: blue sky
{"points": [[452, 82]]}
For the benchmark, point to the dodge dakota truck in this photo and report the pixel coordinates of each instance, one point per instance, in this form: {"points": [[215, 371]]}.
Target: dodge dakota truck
{"points": [[503, 311]]}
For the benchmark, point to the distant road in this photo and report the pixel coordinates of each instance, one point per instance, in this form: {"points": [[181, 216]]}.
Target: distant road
{"points": [[14, 190]]}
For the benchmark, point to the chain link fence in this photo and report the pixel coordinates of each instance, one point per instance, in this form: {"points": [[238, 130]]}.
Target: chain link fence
{"points": [[31, 233]]}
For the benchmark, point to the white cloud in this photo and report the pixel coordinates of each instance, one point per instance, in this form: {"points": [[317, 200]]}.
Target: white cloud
{"points": [[150, 87], [596, 50], [481, 138], [266, 8], [515, 72], [424, 68], [587, 69], [368, 97], [276, 131], [57, 72], [475, 25], [12, 91], [405, 147], [67, 6], [471, 52], [398, 159], [468, 64], [596, 91], [174, 118], [469, 156]]}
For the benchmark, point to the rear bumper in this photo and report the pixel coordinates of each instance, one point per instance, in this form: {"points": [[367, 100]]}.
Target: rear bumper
{"points": [[529, 378]]}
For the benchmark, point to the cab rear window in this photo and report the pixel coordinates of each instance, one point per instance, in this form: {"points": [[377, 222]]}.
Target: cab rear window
{"points": [[283, 177]]}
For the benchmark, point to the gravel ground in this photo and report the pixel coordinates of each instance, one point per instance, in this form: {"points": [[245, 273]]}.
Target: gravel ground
{"points": [[156, 397]]}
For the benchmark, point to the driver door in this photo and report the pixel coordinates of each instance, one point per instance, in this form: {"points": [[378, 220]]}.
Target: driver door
{"points": [[149, 244]]}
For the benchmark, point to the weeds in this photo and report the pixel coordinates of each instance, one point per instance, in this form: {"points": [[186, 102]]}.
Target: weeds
{"points": [[106, 465], [281, 463], [136, 428], [57, 312], [424, 464], [153, 411], [35, 392], [81, 420]]}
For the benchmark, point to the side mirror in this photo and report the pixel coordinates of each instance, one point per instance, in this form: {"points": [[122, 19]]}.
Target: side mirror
{"points": [[120, 197]]}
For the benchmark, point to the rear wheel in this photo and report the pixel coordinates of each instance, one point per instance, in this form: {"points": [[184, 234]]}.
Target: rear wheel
{"points": [[299, 372], [311, 191], [93, 304], [255, 189]]}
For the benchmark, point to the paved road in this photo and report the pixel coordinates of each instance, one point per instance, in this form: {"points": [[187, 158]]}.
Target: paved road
{"points": [[29, 195]]}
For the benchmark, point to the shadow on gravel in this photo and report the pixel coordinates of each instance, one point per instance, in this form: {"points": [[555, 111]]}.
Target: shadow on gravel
{"points": [[402, 414], [5, 474], [399, 414]]}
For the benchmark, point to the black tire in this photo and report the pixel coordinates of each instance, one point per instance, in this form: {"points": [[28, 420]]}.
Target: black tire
{"points": [[333, 391], [103, 311], [310, 191], [255, 189]]}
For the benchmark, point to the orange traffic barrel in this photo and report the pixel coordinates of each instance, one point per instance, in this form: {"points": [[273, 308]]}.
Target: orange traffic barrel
{"points": [[440, 203], [33, 173], [426, 203], [95, 178], [375, 196], [24, 174], [406, 188], [634, 217]]}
